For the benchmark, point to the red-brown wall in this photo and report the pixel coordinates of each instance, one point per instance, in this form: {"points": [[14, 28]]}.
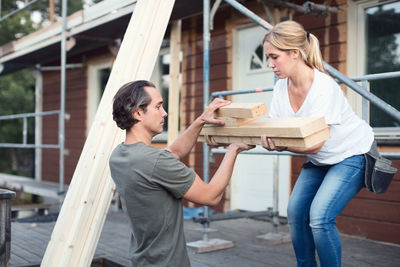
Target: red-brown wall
{"points": [[75, 127], [192, 82]]}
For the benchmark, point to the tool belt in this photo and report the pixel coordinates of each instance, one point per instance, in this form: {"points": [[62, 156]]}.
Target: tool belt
{"points": [[378, 171]]}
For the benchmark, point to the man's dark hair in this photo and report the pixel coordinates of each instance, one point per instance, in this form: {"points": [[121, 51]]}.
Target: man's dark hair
{"points": [[129, 98]]}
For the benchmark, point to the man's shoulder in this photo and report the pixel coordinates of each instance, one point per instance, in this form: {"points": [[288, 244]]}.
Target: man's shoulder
{"points": [[138, 152]]}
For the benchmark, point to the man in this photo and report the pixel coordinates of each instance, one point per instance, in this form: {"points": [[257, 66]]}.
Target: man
{"points": [[152, 182]]}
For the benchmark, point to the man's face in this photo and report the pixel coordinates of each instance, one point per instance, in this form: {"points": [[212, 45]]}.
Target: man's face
{"points": [[153, 118]]}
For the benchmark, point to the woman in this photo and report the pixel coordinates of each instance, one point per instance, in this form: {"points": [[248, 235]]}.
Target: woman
{"points": [[334, 171]]}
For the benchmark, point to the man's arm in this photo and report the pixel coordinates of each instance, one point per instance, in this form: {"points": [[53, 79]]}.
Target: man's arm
{"points": [[185, 142], [211, 193]]}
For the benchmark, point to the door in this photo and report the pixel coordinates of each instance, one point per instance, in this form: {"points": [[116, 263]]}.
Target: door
{"points": [[252, 180]]}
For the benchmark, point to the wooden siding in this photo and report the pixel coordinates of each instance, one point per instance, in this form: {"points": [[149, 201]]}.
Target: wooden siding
{"points": [[192, 78], [75, 127]]}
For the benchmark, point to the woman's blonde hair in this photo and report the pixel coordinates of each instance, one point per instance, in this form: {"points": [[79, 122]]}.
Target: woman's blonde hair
{"points": [[290, 35]]}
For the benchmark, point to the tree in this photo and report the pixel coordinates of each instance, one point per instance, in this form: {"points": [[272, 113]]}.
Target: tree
{"points": [[16, 96], [17, 89]]}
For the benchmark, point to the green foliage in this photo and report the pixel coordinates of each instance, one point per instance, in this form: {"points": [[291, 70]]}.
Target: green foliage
{"points": [[17, 89], [18, 25], [21, 24], [17, 96]]}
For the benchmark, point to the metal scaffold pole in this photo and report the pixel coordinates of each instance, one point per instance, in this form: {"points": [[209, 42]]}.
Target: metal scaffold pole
{"points": [[61, 118], [206, 92], [206, 244]]}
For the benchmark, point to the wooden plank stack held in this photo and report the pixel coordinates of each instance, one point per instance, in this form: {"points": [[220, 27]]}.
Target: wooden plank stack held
{"points": [[78, 228], [242, 124]]}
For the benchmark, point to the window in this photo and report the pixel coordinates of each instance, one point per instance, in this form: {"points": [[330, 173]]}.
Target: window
{"points": [[98, 72], [382, 36], [259, 61]]}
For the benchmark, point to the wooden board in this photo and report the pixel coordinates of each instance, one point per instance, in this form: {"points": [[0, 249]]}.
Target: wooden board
{"points": [[82, 215], [234, 122], [305, 142], [271, 127], [242, 110], [173, 92]]}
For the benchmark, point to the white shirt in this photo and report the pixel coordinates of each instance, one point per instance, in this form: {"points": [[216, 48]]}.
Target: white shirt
{"points": [[349, 134]]}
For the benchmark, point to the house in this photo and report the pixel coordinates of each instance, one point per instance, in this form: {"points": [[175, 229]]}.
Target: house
{"points": [[361, 38]]}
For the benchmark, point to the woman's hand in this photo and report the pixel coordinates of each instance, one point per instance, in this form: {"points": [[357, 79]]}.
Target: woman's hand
{"points": [[269, 144], [211, 141]]}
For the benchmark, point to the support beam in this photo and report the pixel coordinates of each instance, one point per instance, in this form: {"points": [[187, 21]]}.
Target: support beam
{"points": [[78, 228], [173, 93], [38, 123]]}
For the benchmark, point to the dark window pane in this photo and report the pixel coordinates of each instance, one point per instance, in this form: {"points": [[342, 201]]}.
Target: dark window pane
{"points": [[103, 76], [383, 55]]}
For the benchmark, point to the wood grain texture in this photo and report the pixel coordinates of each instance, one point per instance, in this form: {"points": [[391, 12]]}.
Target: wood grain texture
{"points": [[242, 110], [305, 142], [271, 127], [82, 215]]}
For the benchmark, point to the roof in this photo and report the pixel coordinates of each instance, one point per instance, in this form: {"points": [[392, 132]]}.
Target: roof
{"points": [[87, 29]]}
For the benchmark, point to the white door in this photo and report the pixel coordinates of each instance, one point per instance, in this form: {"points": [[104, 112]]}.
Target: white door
{"points": [[252, 180]]}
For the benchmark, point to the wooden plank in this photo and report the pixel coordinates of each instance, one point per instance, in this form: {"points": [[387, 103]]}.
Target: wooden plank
{"points": [[31, 186], [377, 210], [271, 127], [305, 142], [82, 215], [173, 93], [234, 122], [242, 110], [377, 230]]}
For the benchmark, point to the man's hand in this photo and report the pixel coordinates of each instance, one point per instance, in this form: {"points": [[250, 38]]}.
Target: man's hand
{"points": [[239, 147], [269, 144], [208, 115]]}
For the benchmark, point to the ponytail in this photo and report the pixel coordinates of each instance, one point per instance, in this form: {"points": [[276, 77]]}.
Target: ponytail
{"points": [[314, 57], [290, 35]]}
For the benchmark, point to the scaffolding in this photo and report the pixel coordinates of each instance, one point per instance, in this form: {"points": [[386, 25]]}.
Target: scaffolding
{"points": [[208, 15], [38, 114], [341, 78]]}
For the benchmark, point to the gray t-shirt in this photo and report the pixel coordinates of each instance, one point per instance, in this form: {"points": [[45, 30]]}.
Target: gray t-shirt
{"points": [[151, 183]]}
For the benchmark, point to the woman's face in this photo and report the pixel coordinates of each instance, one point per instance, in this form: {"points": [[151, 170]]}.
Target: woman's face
{"points": [[281, 62]]}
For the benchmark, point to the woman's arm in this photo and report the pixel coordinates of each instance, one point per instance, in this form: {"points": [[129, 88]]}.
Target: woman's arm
{"points": [[269, 144]]}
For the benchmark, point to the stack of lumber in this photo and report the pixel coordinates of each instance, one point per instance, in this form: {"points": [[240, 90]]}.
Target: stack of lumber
{"points": [[242, 124], [78, 228]]}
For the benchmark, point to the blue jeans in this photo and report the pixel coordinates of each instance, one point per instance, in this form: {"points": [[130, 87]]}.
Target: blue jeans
{"points": [[319, 196]]}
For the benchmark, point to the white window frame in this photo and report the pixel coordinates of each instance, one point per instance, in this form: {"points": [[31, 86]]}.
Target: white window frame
{"points": [[93, 90], [356, 51]]}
